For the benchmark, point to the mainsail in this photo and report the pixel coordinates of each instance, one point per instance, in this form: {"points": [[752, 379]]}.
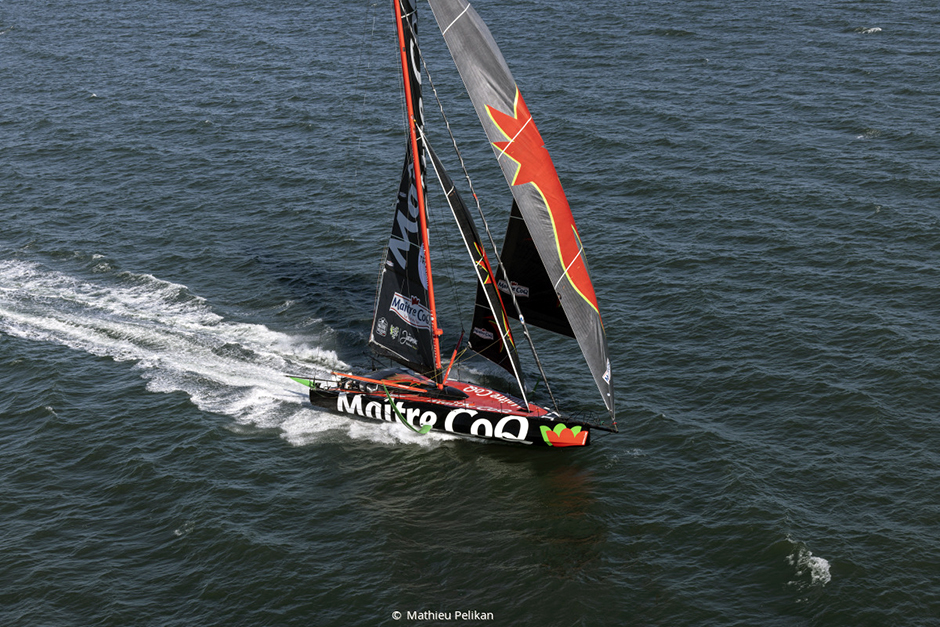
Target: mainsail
{"points": [[403, 326], [529, 170]]}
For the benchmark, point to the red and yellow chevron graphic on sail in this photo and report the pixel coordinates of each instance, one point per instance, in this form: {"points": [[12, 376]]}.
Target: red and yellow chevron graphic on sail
{"points": [[526, 148], [484, 265]]}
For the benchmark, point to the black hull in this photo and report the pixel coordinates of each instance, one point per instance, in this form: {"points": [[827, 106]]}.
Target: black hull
{"points": [[540, 428]]}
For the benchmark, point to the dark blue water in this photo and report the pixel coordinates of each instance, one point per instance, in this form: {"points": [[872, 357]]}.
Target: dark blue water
{"points": [[195, 198]]}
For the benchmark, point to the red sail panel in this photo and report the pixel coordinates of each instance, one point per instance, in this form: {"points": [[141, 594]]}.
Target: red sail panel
{"points": [[529, 170]]}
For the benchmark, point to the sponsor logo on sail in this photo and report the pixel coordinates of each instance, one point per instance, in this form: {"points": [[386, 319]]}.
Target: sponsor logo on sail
{"points": [[408, 339], [518, 290], [411, 311], [381, 327], [486, 335], [405, 227]]}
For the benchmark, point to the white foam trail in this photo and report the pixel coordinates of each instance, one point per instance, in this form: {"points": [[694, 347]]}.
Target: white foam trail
{"points": [[179, 344]]}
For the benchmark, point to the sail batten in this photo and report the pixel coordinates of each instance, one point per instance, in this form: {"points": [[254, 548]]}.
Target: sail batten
{"points": [[444, 30]]}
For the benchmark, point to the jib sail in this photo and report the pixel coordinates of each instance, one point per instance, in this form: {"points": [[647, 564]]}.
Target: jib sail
{"points": [[490, 334], [530, 283]]}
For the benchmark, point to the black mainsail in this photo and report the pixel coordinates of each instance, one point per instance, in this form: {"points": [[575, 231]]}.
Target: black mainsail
{"points": [[531, 175]]}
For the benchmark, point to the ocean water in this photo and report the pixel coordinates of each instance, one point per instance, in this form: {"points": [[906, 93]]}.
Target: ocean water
{"points": [[195, 197]]}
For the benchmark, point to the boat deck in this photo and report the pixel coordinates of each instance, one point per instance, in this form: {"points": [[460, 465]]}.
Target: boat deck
{"points": [[404, 385]]}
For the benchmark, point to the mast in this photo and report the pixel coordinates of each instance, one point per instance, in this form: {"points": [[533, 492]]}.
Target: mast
{"points": [[400, 16]]}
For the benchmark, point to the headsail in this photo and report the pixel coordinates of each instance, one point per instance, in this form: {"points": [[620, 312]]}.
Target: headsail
{"points": [[490, 335], [403, 326], [531, 174], [533, 290]]}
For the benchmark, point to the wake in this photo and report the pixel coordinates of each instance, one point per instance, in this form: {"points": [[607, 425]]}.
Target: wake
{"points": [[179, 344]]}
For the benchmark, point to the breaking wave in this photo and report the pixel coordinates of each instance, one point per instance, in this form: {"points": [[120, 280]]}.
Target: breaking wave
{"points": [[809, 570]]}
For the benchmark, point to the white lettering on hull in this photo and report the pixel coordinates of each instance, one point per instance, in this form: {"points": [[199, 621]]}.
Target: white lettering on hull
{"points": [[485, 425], [449, 421], [374, 410], [510, 428], [345, 405], [501, 432]]}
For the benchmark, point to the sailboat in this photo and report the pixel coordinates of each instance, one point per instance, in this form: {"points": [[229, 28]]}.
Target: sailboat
{"points": [[541, 277]]}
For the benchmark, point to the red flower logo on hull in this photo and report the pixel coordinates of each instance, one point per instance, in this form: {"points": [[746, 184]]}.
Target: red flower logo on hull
{"points": [[563, 436]]}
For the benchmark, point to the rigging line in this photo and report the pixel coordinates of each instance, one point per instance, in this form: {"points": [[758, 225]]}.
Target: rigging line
{"points": [[447, 246], [489, 234], [353, 155], [445, 260], [505, 337], [360, 107], [450, 265]]}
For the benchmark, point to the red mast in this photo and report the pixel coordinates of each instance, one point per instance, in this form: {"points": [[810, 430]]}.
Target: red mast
{"points": [[422, 213]]}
